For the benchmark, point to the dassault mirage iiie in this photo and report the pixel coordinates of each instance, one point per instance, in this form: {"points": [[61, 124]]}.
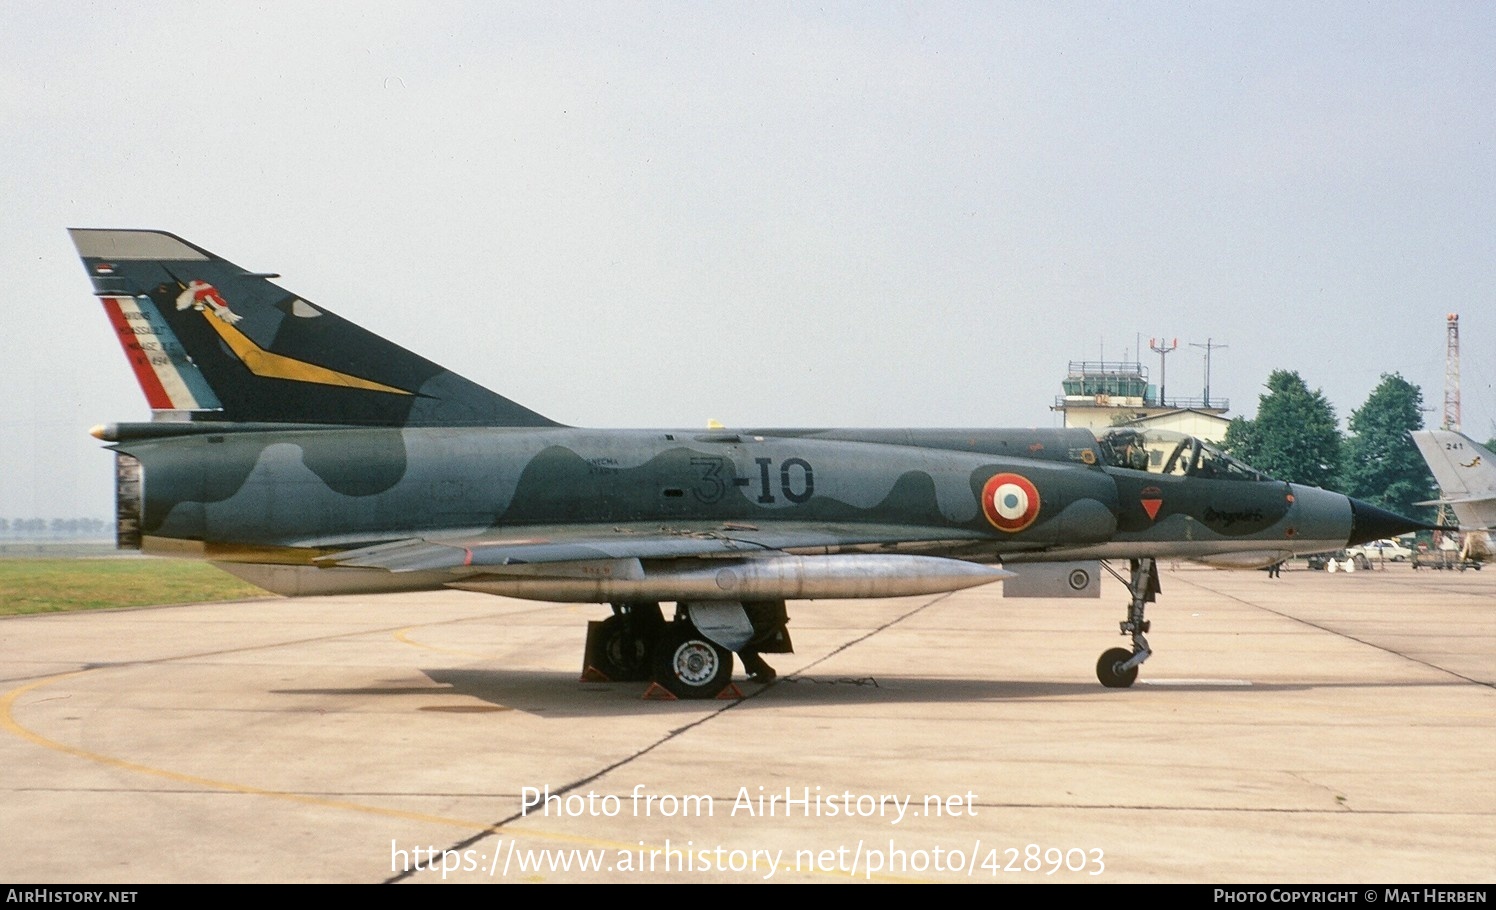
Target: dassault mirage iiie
{"points": [[304, 454]]}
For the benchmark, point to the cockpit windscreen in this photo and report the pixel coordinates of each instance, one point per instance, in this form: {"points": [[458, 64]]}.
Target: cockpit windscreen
{"points": [[1167, 452]]}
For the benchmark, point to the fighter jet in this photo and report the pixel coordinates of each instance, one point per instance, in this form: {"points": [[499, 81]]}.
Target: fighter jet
{"points": [[304, 454], [1466, 473]]}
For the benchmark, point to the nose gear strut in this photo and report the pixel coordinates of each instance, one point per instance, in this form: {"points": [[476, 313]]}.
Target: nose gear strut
{"points": [[1118, 667]]}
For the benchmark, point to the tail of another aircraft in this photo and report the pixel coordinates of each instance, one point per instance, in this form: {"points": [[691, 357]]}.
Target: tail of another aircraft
{"points": [[209, 341], [1466, 473]]}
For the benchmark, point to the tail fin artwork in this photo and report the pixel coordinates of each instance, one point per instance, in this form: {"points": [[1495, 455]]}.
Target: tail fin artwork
{"points": [[1466, 473], [210, 341]]}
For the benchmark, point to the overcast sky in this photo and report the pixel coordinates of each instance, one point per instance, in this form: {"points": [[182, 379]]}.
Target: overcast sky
{"points": [[819, 214]]}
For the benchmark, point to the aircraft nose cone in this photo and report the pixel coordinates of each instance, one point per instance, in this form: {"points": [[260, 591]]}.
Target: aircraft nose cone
{"points": [[1369, 523]]}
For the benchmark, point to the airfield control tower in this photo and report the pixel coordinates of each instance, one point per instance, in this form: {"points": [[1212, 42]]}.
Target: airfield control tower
{"points": [[1099, 394]]}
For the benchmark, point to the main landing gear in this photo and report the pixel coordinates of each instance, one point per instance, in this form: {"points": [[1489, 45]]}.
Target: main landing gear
{"points": [[1118, 667], [690, 665], [690, 656], [619, 647]]}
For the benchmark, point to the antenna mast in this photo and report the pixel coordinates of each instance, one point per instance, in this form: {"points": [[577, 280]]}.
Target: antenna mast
{"points": [[1451, 400], [1209, 345], [1162, 348], [1452, 373]]}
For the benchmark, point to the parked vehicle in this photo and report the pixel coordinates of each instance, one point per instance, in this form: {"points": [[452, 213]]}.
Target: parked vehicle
{"points": [[1385, 549], [1444, 559]]}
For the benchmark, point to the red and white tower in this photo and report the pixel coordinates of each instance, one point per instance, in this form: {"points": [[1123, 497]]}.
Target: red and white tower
{"points": [[1452, 373]]}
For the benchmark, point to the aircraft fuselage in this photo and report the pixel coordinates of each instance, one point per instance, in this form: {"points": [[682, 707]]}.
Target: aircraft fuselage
{"points": [[285, 496]]}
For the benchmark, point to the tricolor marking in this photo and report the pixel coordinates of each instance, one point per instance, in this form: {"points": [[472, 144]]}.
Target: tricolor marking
{"points": [[1010, 502], [166, 375]]}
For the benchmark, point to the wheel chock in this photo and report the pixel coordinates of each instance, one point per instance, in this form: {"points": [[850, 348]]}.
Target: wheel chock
{"points": [[657, 692], [593, 674]]}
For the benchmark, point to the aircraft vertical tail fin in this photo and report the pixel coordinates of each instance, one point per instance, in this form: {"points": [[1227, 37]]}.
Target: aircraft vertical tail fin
{"points": [[1466, 473], [209, 340]]}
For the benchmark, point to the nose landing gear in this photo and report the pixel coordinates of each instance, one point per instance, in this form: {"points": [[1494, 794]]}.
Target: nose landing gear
{"points": [[1118, 667]]}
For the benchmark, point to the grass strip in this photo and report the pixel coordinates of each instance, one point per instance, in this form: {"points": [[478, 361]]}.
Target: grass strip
{"points": [[54, 585]]}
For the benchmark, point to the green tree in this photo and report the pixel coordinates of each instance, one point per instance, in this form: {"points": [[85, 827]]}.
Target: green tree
{"points": [[1382, 465], [1293, 437]]}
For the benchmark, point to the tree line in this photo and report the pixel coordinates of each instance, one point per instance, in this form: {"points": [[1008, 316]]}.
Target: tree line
{"points": [[1296, 437], [55, 527]]}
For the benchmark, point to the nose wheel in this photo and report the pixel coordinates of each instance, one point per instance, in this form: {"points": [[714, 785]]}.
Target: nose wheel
{"points": [[1113, 670], [1118, 667]]}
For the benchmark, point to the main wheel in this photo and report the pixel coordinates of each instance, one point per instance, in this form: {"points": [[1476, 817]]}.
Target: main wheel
{"points": [[1108, 669], [689, 664], [622, 657]]}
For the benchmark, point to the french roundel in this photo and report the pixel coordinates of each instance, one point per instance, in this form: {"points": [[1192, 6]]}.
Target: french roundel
{"points": [[1010, 502]]}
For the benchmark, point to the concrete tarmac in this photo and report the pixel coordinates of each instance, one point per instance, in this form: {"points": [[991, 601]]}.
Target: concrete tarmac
{"points": [[1315, 728]]}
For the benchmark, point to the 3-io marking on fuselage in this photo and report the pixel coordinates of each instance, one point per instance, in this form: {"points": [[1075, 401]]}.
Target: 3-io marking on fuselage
{"points": [[1010, 502]]}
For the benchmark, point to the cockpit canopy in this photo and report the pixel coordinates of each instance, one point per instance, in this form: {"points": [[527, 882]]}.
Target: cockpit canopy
{"points": [[1167, 452]]}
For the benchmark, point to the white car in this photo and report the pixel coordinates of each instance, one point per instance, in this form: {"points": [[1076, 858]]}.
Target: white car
{"points": [[1378, 550]]}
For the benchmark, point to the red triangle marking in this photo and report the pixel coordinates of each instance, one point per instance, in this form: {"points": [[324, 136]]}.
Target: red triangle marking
{"points": [[1151, 507]]}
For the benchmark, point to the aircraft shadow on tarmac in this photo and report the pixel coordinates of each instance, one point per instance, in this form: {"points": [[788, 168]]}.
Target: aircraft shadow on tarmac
{"points": [[549, 693]]}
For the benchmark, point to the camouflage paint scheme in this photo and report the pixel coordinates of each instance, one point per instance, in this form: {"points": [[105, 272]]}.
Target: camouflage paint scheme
{"points": [[307, 455]]}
